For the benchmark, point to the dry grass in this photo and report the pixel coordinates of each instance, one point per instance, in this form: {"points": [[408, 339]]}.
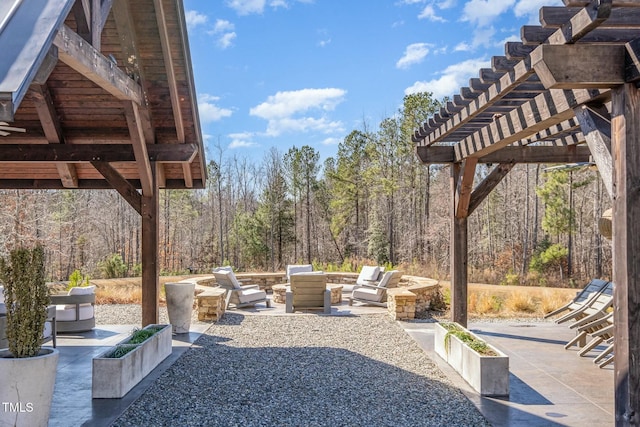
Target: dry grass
{"points": [[484, 300]]}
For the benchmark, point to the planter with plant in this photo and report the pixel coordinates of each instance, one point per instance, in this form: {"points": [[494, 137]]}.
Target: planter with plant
{"points": [[119, 369], [483, 366], [27, 370]]}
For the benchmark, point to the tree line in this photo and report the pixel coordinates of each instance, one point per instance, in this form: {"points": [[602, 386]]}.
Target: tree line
{"points": [[373, 202]]}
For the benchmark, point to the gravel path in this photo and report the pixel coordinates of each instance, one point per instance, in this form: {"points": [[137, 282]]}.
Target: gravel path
{"points": [[301, 370]]}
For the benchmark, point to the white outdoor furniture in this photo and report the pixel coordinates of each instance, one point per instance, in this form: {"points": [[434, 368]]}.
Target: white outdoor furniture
{"points": [[75, 312], [240, 296], [376, 294]]}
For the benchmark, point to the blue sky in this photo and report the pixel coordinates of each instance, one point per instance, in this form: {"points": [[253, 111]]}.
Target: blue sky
{"points": [[278, 73]]}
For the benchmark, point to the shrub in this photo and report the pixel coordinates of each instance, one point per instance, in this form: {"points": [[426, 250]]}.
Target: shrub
{"points": [[26, 298], [77, 279], [112, 267]]}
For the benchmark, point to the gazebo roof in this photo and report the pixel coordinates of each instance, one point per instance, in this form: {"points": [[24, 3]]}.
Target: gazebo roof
{"points": [[94, 93]]}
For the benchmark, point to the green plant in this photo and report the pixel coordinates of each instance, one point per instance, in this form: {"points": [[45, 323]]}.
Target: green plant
{"points": [[472, 342], [120, 351], [112, 267], [77, 279], [138, 336], [26, 298]]}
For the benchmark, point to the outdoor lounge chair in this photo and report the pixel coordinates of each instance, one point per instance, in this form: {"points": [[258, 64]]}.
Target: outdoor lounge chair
{"points": [[600, 329], [308, 291], [75, 312], [240, 296], [582, 298], [376, 294], [298, 268], [595, 307]]}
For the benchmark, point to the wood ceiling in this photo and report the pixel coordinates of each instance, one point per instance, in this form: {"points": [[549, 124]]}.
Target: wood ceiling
{"points": [[93, 92]]}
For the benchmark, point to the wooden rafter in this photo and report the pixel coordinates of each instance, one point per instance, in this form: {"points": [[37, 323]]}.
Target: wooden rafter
{"points": [[464, 187], [89, 62], [52, 130], [545, 110], [120, 184], [173, 88], [484, 188], [597, 131], [136, 133]]}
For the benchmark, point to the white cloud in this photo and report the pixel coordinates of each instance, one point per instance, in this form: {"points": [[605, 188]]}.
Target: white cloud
{"points": [[511, 38], [300, 111], [451, 79], [483, 12], [242, 140], [446, 4], [462, 47], [224, 32], [482, 36], [247, 7], [531, 8], [194, 18], [413, 54], [429, 13], [226, 40], [209, 111], [222, 26], [331, 141]]}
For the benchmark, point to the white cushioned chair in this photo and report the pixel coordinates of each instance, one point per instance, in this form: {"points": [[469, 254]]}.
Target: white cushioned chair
{"points": [[240, 296], [308, 291], [376, 294], [298, 268], [75, 312]]}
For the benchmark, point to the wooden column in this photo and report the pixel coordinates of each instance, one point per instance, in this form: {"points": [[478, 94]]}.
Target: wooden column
{"points": [[625, 147], [150, 266], [458, 254]]}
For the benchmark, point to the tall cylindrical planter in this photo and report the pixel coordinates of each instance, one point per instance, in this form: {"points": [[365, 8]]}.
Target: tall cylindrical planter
{"points": [[180, 305], [26, 388]]}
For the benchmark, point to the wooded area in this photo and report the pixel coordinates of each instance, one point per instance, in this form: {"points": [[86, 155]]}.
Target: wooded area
{"points": [[374, 200]]}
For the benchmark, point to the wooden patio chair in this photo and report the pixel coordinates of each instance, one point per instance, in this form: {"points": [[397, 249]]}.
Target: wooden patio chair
{"points": [[308, 291], [376, 294], [595, 306], [599, 329], [582, 298], [239, 296]]}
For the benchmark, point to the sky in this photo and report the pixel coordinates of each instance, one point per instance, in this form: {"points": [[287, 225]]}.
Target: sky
{"points": [[284, 73]]}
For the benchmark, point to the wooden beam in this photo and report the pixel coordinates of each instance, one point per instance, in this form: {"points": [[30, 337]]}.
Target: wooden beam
{"points": [[150, 244], [625, 126], [520, 74], [517, 50], [46, 68], [632, 61], [487, 185], [120, 184], [74, 51], [582, 23], [534, 35], [86, 184], [458, 255], [82, 13], [579, 66], [52, 131], [502, 64], [136, 134], [83, 153], [545, 110], [169, 67], [96, 24], [465, 186], [597, 132], [620, 17]]}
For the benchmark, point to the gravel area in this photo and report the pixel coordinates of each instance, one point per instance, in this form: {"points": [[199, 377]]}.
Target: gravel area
{"points": [[303, 370], [131, 314]]}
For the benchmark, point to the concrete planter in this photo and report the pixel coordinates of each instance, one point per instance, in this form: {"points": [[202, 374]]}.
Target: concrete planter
{"points": [[114, 377], [180, 305], [26, 388], [488, 375]]}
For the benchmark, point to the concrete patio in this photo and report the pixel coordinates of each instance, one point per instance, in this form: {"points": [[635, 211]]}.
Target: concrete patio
{"points": [[549, 386]]}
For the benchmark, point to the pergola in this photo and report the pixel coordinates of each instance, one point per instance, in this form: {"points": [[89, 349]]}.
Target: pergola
{"points": [[99, 94], [567, 93]]}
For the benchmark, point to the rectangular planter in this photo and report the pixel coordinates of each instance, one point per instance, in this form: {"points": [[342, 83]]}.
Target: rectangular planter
{"points": [[488, 375], [113, 378]]}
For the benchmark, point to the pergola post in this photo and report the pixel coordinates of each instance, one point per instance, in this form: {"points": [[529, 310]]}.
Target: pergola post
{"points": [[150, 266], [458, 253], [625, 147]]}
